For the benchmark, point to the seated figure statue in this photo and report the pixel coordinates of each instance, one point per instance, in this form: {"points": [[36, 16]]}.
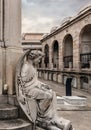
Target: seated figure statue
{"points": [[36, 98]]}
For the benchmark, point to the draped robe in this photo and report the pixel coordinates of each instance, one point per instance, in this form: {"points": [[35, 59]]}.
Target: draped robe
{"points": [[41, 100]]}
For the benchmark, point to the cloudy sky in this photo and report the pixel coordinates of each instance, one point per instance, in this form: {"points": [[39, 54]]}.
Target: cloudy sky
{"points": [[42, 15]]}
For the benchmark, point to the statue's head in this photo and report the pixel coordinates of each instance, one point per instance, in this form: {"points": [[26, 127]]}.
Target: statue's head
{"points": [[35, 56]]}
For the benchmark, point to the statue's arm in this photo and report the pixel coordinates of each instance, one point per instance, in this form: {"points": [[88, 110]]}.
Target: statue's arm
{"points": [[44, 86]]}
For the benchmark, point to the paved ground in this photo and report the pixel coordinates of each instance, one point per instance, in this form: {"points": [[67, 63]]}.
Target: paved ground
{"points": [[81, 120]]}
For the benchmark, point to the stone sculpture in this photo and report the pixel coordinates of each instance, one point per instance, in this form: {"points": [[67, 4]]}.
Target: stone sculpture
{"points": [[36, 99]]}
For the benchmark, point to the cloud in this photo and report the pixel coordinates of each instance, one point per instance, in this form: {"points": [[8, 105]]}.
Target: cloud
{"points": [[41, 15]]}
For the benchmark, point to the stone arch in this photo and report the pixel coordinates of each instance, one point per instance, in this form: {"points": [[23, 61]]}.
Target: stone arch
{"points": [[55, 54], [68, 51], [85, 50], [46, 58]]}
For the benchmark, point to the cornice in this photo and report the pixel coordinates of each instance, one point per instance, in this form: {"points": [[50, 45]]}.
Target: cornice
{"points": [[75, 19]]}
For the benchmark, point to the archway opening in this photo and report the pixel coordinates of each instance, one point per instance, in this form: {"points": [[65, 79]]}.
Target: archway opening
{"points": [[55, 54], [46, 59], [85, 51], [68, 51]]}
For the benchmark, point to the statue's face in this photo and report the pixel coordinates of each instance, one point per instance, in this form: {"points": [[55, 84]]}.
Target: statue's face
{"points": [[35, 56], [36, 53]]}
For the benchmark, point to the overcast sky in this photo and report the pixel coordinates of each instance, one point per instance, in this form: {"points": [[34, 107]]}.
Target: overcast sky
{"points": [[41, 15]]}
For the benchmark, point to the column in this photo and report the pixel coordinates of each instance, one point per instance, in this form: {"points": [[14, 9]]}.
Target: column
{"points": [[12, 40], [76, 53], [61, 63], [50, 57]]}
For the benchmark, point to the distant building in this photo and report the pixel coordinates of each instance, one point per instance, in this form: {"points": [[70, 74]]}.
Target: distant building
{"points": [[32, 41], [67, 51]]}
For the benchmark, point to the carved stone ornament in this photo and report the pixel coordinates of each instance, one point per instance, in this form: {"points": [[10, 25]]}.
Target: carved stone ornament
{"points": [[36, 98]]}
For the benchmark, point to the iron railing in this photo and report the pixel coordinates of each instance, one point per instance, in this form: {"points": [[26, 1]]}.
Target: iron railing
{"points": [[67, 60], [85, 60]]}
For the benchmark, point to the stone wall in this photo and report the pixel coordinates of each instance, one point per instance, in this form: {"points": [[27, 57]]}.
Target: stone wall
{"points": [[74, 30]]}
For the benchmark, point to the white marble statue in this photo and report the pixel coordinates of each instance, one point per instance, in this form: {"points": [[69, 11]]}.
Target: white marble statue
{"points": [[36, 99]]}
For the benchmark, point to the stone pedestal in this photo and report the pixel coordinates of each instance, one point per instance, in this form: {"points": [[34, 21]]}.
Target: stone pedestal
{"points": [[60, 100], [75, 100]]}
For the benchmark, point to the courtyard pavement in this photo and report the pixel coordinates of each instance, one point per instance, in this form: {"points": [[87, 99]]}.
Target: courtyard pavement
{"points": [[81, 119]]}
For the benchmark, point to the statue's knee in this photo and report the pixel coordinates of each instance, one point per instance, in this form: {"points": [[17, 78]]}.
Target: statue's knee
{"points": [[49, 96]]}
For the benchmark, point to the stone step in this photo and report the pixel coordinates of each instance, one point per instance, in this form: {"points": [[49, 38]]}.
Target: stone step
{"points": [[3, 98], [8, 111], [15, 124]]}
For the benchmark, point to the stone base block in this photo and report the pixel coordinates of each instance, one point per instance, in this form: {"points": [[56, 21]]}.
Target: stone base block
{"points": [[60, 100], [75, 100]]}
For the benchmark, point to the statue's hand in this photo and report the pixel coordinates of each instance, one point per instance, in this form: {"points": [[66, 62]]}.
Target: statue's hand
{"points": [[45, 86]]}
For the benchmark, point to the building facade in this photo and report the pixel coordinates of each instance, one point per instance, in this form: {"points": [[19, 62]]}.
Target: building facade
{"points": [[32, 41], [68, 51]]}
